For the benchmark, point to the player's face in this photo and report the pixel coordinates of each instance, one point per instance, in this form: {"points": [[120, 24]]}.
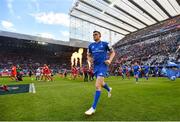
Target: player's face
{"points": [[96, 36]]}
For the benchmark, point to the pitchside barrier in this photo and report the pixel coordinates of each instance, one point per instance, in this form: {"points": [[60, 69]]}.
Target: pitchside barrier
{"points": [[18, 88]]}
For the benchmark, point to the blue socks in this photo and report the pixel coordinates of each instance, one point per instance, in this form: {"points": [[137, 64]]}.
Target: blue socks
{"points": [[106, 87], [97, 95], [96, 98], [136, 79]]}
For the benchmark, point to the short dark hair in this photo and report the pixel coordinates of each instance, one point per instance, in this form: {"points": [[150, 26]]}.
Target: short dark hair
{"points": [[97, 32]]}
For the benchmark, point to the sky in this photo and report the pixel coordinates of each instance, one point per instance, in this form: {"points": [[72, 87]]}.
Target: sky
{"points": [[45, 18]]}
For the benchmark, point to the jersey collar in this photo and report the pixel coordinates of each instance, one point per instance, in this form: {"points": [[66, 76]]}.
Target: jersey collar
{"points": [[98, 42]]}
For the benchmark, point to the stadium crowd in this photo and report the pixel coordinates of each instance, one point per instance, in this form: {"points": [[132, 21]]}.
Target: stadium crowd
{"points": [[153, 45], [152, 51]]}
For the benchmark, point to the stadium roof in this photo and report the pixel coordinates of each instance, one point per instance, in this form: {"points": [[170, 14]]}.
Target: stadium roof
{"points": [[125, 16], [72, 43]]}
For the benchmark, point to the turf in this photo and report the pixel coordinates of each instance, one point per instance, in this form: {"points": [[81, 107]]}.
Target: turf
{"points": [[64, 99]]}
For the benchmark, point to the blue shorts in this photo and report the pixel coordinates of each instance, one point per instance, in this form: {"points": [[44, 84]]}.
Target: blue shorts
{"points": [[136, 73], [100, 70], [146, 73]]}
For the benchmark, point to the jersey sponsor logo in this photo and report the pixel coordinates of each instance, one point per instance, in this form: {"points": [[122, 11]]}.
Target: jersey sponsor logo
{"points": [[97, 51]]}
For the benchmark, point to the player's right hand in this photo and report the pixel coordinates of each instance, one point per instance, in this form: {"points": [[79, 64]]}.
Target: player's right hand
{"points": [[107, 62], [91, 60]]}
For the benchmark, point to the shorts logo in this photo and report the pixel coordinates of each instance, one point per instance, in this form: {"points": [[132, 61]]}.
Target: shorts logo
{"points": [[100, 74]]}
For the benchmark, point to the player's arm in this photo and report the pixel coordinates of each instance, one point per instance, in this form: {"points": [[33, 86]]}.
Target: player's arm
{"points": [[89, 60], [89, 57], [111, 55]]}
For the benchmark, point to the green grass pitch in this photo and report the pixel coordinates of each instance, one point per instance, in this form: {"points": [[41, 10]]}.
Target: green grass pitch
{"points": [[64, 99]]}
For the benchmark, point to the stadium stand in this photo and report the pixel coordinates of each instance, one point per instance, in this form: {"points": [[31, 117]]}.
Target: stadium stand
{"points": [[156, 44]]}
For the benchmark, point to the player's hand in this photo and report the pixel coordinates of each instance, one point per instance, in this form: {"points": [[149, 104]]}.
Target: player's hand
{"points": [[91, 60], [107, 62]]}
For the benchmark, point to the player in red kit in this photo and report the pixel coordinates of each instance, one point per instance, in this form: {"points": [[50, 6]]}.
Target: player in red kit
{"points": [[49, 74], [74, 72], [46, 73], [13, 73]]}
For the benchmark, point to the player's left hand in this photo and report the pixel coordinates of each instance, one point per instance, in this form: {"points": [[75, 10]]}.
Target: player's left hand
{"points": [[107, 62]]}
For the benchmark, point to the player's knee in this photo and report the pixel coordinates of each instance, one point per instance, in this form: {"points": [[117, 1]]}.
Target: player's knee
{"points": [[98, 87]]}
